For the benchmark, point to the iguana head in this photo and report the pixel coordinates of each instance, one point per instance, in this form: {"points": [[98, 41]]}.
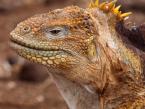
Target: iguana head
{"points": [[61, 36], [58, 38], [81, 40]]}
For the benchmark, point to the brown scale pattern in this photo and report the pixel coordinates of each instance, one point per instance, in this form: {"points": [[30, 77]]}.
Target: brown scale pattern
{"points": [[91, 53]]}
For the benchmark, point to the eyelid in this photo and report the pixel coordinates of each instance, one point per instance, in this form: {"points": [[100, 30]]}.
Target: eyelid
{"points": [[56, 28], [64, 31]]}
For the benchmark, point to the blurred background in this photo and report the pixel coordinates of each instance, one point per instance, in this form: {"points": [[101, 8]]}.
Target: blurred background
{"points": [[24, 85]]}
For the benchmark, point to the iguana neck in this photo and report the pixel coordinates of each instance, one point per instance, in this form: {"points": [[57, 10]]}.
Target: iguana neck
{"points": [[76, 96], [125, 63], [119, 54]]}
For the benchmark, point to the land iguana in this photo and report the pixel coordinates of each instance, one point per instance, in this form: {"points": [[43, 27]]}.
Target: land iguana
{"points": [[91, 64]]}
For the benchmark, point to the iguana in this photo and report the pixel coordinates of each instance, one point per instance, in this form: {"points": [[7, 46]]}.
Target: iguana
{"points": [[91, 64]]}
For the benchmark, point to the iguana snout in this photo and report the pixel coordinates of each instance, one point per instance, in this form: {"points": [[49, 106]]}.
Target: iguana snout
{"points": [[58, 38]]}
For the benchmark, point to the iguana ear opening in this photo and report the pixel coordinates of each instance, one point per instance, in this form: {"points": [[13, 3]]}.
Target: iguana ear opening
{"points": [[92, 53]]}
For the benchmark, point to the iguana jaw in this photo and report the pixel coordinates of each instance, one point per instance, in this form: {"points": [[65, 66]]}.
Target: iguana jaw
{"points": [[50, 57]]}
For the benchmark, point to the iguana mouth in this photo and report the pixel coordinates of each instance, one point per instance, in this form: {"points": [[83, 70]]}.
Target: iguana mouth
{"points": [[51, 51], [51, 58], [23, 44], [19, 47], [47, 58]]}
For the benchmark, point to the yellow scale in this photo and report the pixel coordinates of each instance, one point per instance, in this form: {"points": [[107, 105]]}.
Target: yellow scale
{"points": [[110, 7]]}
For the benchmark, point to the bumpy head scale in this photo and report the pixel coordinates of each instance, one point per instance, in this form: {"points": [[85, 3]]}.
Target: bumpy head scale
{"points": [[110, 7]]}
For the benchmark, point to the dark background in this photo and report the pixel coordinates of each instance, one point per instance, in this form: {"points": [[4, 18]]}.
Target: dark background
{"points": [[24, 85]]}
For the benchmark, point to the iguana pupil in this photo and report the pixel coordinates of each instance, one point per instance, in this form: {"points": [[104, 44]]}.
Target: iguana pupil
{"points": [[55, 32]]}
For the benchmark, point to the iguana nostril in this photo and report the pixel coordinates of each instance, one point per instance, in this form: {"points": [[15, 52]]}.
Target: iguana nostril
{"points": [[26, 29]]}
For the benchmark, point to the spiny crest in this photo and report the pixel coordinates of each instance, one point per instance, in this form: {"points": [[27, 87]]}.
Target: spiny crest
{"points": [[110, 7]]}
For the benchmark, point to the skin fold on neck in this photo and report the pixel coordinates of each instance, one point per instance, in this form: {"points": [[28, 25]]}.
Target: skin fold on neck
{"points": [[125, 63], [76, 96]]}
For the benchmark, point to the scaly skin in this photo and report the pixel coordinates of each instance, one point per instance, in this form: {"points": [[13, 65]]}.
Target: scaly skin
{"points": [[82, 46]]}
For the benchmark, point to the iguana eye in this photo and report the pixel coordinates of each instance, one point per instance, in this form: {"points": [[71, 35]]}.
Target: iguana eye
{"points": [[56, 32]]}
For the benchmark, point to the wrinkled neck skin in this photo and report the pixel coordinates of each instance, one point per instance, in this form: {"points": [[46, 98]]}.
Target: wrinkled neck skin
{"points": [[76, 96], [105, 78], [76, 88], [125, 64], [120, 55], [79, 85]]}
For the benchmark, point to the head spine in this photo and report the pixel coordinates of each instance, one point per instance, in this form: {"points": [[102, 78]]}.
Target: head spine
{"points": [[110, 7]]}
